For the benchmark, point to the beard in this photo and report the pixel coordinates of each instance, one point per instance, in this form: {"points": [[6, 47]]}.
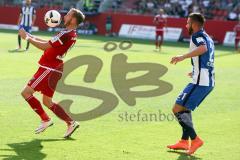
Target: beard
{"points": [[190, 30], [67, 23]]}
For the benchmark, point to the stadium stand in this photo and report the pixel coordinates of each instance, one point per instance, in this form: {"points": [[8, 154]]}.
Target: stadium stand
{"points": [[88, 6], [212, 9], [223, 14]]}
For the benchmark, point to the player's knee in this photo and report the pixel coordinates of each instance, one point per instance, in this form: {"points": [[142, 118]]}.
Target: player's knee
{"points": [[174, 110], [47, 103], [25, 94], [178, 108]]}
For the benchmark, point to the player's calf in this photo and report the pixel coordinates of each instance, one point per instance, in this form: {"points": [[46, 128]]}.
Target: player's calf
{"points": [[27, 94]]}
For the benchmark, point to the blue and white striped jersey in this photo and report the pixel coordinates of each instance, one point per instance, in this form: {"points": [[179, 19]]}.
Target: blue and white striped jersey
{"points": [[203, 65], [27, 13]]}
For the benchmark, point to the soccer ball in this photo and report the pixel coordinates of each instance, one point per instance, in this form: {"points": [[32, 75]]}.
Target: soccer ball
{"points": [[52, 18]]}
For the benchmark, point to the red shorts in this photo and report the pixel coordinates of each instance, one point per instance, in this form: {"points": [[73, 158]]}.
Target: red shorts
{"points": [[159, 33], [45, 81]]}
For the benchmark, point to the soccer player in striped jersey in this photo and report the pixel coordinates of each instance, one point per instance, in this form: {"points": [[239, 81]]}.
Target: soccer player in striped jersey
{"points": [[202, 58], [26, 20], [50, 71]]}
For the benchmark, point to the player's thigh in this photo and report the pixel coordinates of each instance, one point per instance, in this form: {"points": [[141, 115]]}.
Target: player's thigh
{"points": [[193, 95], [184, 95], [47, 101], [198, 96]]}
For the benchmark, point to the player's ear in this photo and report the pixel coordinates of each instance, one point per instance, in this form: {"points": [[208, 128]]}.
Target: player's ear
{"points": [[74, 20], [193, 24]]}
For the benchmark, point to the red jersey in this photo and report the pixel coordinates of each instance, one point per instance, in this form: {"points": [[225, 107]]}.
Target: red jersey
{"points": [[160, 22], [60, 43], [237, 31]]}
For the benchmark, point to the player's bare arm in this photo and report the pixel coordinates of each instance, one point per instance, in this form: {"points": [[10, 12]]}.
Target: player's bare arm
{"points": [[34, 19], [196, 52], [19, 19], [40, 45], [154, 21], [190, 74], [37, 38]]}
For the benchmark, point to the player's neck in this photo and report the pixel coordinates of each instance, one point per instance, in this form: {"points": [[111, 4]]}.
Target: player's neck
{"points": [[70, 27], [197, 30]]}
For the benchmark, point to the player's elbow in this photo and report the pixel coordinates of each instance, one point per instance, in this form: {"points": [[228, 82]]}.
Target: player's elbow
{"points": [[45, 46], [203, 49]]}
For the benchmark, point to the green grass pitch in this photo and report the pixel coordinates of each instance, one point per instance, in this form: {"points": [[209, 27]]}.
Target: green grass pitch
{"points": [[217, 120]]}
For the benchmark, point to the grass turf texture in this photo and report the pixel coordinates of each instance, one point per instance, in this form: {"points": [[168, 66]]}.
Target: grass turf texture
{"points": [[217, 120]]}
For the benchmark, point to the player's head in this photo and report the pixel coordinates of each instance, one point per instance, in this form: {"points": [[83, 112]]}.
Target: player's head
{"points": [[161, 11], [195, 22], [73, 18], [28, 2]]}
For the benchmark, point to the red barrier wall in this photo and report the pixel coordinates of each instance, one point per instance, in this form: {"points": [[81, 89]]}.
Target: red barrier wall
{"points": [[9, 15], [212, 27]]}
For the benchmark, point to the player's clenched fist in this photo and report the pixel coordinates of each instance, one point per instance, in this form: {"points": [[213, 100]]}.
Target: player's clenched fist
{"points": [[177, 59]]}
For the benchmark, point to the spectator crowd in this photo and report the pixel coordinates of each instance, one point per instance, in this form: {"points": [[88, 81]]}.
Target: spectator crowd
{"points": [[212, 9]]}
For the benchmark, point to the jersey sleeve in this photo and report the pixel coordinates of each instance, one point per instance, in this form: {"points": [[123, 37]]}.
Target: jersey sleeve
{"points": [[198, 40], [59, 40]]}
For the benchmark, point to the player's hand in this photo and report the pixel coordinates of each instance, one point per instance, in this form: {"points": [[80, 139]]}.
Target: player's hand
{"points": [[22, 33], [29, 35], [190, 74], [177, 59]]}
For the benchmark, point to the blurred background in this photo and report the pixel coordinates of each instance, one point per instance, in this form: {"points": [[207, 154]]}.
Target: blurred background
{"points": [[221, 14]]}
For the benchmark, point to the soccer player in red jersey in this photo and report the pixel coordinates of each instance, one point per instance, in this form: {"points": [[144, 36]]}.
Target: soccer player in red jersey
{"points": [[237, 38], [160, 21], [50, 71]]}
